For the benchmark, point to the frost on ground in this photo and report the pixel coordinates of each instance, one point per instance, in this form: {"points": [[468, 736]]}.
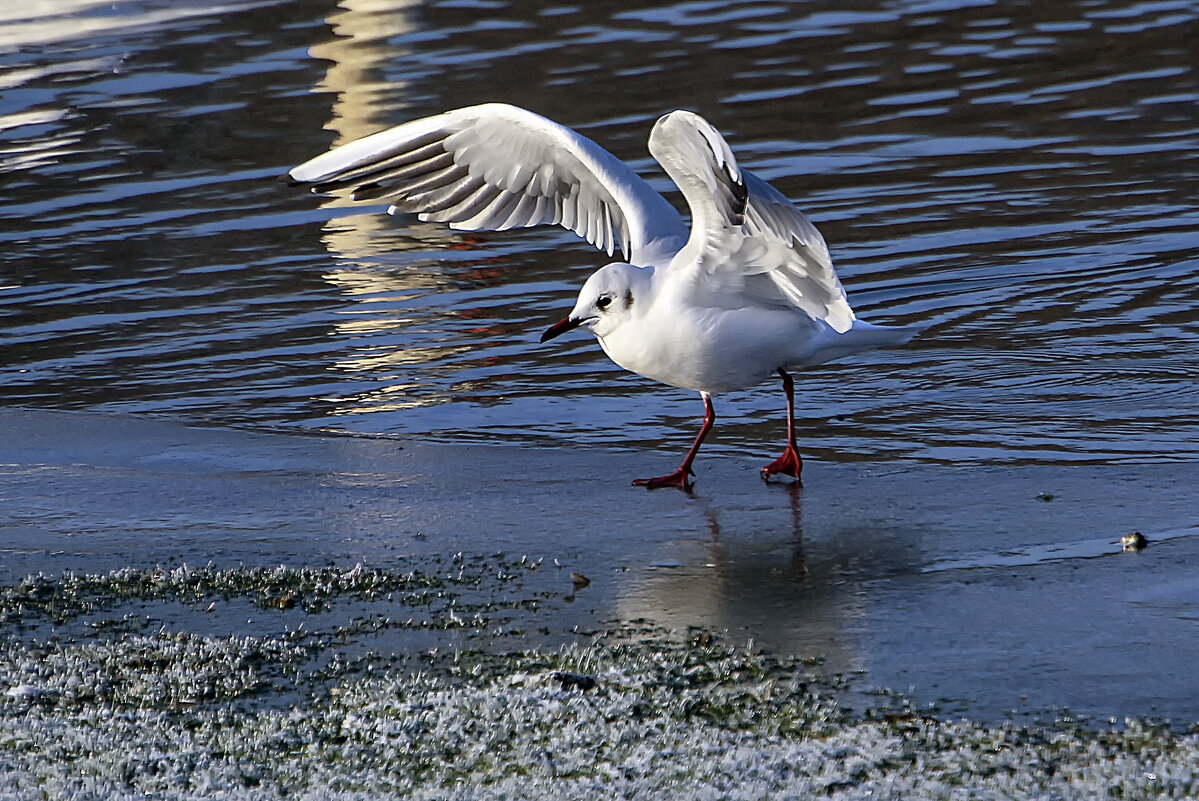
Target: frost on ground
{"points": [[169, 714]]}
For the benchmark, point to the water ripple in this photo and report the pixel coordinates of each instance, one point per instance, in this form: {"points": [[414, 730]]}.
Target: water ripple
{"points": [[1019, 181]]}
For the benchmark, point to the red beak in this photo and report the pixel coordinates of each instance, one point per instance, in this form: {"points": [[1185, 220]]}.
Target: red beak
{"points": [[560, 328]]}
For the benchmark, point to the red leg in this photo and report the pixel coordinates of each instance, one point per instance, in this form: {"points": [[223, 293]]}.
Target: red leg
{"points": [[681, 478], [789, 463]]}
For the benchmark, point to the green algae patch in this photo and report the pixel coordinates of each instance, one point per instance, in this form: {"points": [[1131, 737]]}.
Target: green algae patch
{"points": [[64, 597], [320, 711]]}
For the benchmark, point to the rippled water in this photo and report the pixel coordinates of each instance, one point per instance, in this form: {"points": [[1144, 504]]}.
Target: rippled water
{"points": [[1020, 179]]}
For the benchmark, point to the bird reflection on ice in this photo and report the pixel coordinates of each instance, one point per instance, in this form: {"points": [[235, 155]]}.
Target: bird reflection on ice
{"points": [[786, 595]]}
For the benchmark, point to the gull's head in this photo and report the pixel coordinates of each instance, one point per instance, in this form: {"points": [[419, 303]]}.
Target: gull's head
{"points": [[604, 302]]}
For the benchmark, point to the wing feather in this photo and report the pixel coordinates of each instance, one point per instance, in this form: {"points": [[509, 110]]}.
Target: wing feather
{"points": [[451, 196], [466, 208], [748, 242], [497, 166]]}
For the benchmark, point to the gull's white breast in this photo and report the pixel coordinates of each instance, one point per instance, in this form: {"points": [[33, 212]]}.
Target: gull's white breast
{"points": [[711, 349]]}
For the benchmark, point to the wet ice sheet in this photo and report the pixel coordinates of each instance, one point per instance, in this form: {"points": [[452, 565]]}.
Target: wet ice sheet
{"points": [[865, 567]]}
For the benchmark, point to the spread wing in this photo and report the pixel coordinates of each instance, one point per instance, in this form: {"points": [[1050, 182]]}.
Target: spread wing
{"points": [[495, 167], [748, 242]]}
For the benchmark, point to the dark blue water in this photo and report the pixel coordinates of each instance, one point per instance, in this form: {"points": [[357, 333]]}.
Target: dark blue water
{"points": [[1021, 180]]}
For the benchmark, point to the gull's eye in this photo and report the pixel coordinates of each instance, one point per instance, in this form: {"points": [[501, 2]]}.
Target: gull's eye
{"points": [[602, 301]]}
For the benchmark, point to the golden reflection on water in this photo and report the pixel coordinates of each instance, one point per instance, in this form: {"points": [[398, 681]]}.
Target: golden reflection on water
{"points": [[356, 54], [362, 45]]}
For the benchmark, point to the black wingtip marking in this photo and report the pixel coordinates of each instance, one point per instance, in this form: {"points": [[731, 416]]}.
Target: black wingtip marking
{"points": [[740, 196]]}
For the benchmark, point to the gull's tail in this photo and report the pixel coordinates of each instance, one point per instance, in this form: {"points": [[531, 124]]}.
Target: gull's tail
{"points": [[870, 335], [862, 336]]}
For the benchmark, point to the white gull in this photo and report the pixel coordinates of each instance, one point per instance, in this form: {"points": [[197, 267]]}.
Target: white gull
{"points": [[748, 292]]}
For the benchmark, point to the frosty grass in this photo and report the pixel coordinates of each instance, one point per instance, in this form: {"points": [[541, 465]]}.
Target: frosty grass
{"points": [[100, 699]]}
